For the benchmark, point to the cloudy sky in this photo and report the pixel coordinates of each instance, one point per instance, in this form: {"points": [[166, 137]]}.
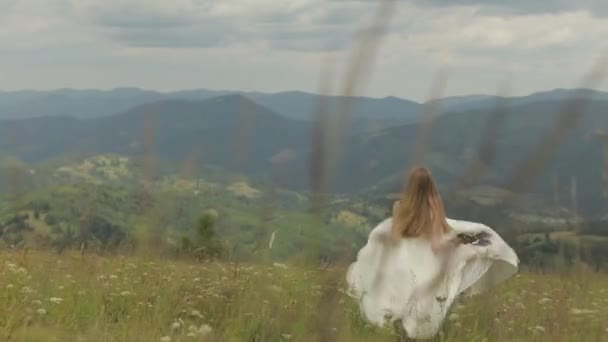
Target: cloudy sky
{"points": [[275, 45]]}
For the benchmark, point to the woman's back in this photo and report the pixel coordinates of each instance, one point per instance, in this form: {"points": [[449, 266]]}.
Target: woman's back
{"points": [[405, 279], [416, 263]]}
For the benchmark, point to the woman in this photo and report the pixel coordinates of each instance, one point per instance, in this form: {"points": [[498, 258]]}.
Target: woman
{"points": [[416, 263]]}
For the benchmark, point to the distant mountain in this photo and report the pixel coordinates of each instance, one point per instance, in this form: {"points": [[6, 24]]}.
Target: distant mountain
{"points": [[235, 133], [300, 105], [230, 131], [455, 141], [96, 103], [82, 103], [457, 104], [366, 113]]}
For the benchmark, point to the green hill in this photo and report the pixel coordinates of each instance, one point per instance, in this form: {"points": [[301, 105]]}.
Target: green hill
{"points": [[236, 135]]}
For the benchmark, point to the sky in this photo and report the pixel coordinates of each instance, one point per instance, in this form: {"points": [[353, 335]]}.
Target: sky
{"points": [[279, 45]]}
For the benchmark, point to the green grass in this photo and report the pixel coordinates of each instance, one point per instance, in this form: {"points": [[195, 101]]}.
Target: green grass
{"points": [[142, 299]]}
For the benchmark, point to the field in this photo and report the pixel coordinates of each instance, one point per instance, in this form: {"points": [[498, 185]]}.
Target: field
{"points": [[46, 297]]}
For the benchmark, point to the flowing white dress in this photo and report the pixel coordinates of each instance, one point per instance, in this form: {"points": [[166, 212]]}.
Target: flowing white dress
{"points": [[406, 280]]}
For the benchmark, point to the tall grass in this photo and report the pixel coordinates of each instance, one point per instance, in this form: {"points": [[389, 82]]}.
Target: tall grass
{"points": [[45, 297]]}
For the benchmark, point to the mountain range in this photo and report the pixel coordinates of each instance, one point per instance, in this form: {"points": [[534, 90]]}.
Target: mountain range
{"points": [[291, 104], [260, 135]]}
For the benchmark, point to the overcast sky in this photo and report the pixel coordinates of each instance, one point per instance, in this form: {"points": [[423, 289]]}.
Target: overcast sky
{"points": [[276, 45]]}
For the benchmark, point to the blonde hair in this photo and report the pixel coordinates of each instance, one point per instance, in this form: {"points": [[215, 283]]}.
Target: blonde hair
{"points": [[420, 212]]}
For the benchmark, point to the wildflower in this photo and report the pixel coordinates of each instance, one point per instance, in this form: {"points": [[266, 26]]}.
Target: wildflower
{"points": [[576, 311], [544, 300], [280, 265], [126, 293], [9, 286], [176, 325], [286, 336], [165, 339], [56, 300], [36, 302], [113, 277], [196, 313], [538, 329], [41, 312], [205, 330], [275, 288]]}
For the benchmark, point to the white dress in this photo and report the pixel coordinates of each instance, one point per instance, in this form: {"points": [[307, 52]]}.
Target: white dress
{"points": [[404, 280]]}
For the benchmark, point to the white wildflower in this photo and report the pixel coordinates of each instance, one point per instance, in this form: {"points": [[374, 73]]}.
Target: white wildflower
{"points": [[576, 311], [41, 312], [56, 300], [279, 265], [165, 339], [196, 313], [176, 325], [205, 330], [275, 288], [538, 329], [9, 286], [126, 293], [544, 300]]}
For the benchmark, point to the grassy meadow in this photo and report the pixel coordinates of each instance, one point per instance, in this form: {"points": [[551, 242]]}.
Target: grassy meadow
{"points": [[70, 297]]}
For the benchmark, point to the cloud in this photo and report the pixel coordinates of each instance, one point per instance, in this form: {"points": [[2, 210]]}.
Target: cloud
{"points": [[7, 7], [267, 46], [504, 38], [295, 24], [525, 7]]}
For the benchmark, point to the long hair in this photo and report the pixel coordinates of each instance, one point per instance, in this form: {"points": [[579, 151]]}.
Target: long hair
{"points": [[420, 212]]}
